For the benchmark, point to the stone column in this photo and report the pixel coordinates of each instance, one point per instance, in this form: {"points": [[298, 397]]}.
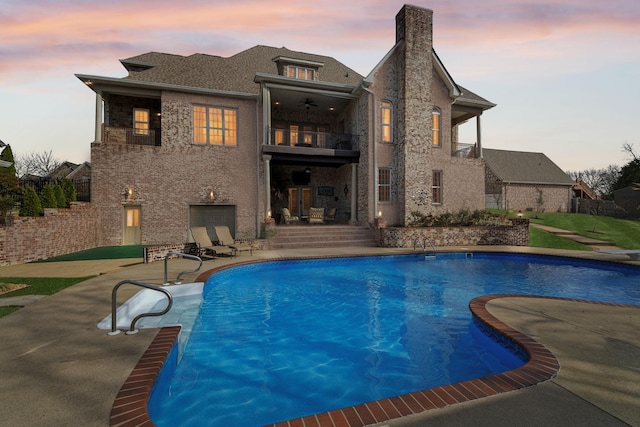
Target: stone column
{"points": [[478, 137]]}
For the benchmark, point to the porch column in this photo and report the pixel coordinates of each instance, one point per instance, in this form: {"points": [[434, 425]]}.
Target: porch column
{"points": [[478, 137], [266, 114], [354, 198], [267, 185], [98, 135]]}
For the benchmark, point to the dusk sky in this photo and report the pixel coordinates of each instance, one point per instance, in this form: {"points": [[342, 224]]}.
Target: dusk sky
{"points": [[564, 74]]}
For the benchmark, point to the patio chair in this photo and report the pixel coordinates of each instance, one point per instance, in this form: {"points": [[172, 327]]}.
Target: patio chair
{"points": [[331, 216], [316, 215], [286, 216], [224, 238], [205, 246]]}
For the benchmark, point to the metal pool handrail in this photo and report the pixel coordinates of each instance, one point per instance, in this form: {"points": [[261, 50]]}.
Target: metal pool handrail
{"points": [[114, 303], [166, 259], [424, 244]]}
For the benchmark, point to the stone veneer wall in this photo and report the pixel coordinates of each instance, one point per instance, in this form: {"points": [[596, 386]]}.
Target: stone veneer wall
{"points": [[58, 232], [516, 234]]}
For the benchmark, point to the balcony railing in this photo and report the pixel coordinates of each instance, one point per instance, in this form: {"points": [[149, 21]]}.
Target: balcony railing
{"points": [[129, 136], [302, 138], [465, 151]]}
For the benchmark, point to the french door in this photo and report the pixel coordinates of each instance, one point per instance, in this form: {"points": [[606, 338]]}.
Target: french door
{"points": [[299, 201]]}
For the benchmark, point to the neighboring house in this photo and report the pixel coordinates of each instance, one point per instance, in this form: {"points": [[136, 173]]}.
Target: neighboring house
{"points": [[207, 140], [522, 181], [72, 171]]}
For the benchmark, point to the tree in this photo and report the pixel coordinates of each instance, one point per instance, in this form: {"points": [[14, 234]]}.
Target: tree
{"points": [[39, 164], [31, 205], [69, 190], [629, 173], [48, 197], [61, 199], [599, 180], [9, 185], [7, 156]]}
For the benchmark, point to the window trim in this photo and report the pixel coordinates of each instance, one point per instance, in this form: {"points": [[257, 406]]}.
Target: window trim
{"points": [[225, 130], [437, 190], [386, 105], [386, 186]]}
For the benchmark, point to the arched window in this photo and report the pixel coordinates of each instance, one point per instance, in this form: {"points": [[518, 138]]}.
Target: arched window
{"points": [[437, 127], [386, 121]]}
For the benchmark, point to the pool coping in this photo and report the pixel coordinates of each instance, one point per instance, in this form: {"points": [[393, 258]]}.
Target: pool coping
{"points": [[130, 405]]}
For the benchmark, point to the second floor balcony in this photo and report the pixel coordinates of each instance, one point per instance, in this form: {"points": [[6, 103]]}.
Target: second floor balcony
{"points": [[130, 136], [311, 139]]}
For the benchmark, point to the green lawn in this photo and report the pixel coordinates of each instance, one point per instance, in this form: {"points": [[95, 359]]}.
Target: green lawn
{"points": [[103, 252], [624, 233], [542, 239]]}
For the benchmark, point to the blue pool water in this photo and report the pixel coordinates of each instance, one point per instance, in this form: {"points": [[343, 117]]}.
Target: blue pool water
{"points": [[285, 339]]}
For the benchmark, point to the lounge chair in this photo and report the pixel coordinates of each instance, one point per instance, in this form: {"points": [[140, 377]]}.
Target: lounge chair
{"points": [[331, 216], [316, 215], [286, 215], [205, 246], [224, 237]]}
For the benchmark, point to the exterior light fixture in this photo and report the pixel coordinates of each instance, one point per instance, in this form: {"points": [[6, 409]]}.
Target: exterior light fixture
{"points": [[379, 214], [346, 190], [519, 214], [269, 213], [308, 170], [212, 196]]}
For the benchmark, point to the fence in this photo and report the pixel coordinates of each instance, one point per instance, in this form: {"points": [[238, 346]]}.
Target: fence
{"points": [[83, 187]]}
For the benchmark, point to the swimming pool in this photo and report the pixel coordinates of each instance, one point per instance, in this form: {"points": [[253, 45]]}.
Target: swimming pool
{"points": [[283, 339]]}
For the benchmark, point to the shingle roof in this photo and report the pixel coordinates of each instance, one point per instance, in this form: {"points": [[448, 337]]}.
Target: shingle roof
{"points": [[524, 167], [235, 73]]}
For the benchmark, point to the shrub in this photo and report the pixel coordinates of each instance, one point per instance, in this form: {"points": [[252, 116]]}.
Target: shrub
{"points": [[31, 205], [48, 197], [61, 199], [69, 191], [460, 218]]}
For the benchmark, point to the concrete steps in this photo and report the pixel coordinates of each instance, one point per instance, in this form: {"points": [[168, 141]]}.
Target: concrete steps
{"points": [[321, 236]]}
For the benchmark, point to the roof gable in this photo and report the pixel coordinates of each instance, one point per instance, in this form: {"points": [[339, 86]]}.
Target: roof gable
{"points": [[519, 167]]}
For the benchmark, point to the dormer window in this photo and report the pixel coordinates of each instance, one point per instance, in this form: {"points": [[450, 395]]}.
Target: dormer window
{"points": [[297, 68], [303, 73]]}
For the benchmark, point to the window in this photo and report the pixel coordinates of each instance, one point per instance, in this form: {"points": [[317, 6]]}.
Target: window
{"points": [[322, 138], [307, 136], [436, 128], [278, 136], [214, 125], [436, 188], [293, 134], [386, 115], [384, 185], [140, 121], [302, 73]]}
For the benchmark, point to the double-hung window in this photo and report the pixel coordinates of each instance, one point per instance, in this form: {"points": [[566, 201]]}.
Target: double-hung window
{"points": [[384, 185], [436, 188], [436, 128], [140, 121], [386, 121], [215, 125]]}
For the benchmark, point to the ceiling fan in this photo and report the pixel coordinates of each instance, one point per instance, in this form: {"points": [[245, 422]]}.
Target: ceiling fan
{"points": [[309, 103]]}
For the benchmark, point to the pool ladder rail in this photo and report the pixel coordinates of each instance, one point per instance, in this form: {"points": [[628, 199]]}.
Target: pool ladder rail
{"points": [[423, 244], [114, 294]]}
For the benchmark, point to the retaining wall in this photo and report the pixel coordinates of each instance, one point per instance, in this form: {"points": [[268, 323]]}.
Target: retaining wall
{"points": [[516, 234]]}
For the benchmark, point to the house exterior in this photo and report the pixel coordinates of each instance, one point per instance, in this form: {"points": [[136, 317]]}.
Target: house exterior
{"points": [[522, 181], [204, 140]]}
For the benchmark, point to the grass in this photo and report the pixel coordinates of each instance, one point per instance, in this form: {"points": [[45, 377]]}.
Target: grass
{"points": [[41, 285], [542, 239], [623, 233], [103, 252]]}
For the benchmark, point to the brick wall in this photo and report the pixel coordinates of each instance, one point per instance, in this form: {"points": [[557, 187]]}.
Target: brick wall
{"points": [[58, 232], [516, 234]]}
